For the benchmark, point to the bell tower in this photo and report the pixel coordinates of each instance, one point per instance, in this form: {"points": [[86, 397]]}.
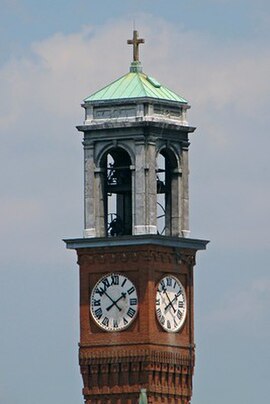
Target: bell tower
{"points": [[136, 259]]}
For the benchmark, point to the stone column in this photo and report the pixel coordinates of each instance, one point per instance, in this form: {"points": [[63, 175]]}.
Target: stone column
{"points": [[100, 198], [139, 188], [176, 202], [185, 193], [89, 192], [151, 189], [145, 188]]}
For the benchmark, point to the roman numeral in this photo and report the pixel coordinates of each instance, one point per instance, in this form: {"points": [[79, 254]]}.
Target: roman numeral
{"points": [[98, 313], [106, 283], [169, 281], [131, 290], [179, 314], [131, 312], [100, 291], [105, 321], [125, 321], [124, 281], [115, 280], [158, 313], [115, 324], [158, 302], [162, 320], [96, 302], [169, 324], [133, 302], [180, 304]]}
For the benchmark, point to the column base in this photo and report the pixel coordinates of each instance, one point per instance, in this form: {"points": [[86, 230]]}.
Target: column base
{"points": [[146, 229], [89, 233]]}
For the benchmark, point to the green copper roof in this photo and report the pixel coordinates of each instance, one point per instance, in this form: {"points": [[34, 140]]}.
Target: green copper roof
{"points": [[135, 84]]}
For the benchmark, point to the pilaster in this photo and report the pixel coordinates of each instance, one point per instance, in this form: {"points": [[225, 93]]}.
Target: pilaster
{"points": [[185, 193], [89, 191]]}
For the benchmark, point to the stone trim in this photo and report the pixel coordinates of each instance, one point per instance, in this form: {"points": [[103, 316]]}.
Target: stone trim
{"points": [[139, 355], [122, 241], [92, 258]]}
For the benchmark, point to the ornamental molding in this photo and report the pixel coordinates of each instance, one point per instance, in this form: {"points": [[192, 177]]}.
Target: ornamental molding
{"points": [[150, 358], [93, 258], [121, 374], [188, 259], [154, 389], [116, 393]]}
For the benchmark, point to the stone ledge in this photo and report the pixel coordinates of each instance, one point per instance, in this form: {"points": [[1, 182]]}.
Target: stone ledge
{"points": [[121, 241]]}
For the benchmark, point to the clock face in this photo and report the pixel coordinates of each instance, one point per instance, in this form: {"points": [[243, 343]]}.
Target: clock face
{"points": [[171, 306], [114, 302]]}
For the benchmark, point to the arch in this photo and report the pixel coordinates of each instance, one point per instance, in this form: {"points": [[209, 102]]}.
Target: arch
{"points": [[116, 182], [172, 154], [106, 149], [168, 164]]}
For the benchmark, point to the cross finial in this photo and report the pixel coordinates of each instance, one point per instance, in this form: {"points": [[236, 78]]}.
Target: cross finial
{"points": [[136, 41]]}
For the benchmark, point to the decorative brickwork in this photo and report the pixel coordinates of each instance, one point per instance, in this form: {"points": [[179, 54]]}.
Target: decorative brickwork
{"points": [[99, 257], [159, 373], [116, 365]]}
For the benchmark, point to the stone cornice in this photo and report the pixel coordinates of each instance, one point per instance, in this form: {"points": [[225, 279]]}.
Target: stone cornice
{"points": [[138, 122], [141, 240]]}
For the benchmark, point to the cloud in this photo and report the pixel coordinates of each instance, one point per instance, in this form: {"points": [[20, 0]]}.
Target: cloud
{"points": [[217, 77], [228, 88], [41, 173], [63, 69]]}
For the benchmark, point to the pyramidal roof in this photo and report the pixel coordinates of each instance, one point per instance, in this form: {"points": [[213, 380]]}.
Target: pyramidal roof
{"points": [[134, 85]]}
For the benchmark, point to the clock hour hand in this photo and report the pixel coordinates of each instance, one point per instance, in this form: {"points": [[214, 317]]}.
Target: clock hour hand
{"points": [[168, 297], [123, 295], [171, 302], [113, 301]]}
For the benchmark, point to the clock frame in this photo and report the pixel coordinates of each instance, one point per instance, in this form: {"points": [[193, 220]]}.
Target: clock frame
{"points": [[171, 303], [114, 302]]}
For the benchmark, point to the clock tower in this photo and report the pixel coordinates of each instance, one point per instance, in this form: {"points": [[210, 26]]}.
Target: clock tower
{"points": [[136, 258]]}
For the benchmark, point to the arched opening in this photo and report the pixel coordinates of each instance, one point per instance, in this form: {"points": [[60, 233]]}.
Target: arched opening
{"points": [[117, 192], [166, 165]]}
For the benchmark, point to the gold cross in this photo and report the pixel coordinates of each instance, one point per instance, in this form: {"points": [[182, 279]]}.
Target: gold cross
{"points": [[136, 41]]}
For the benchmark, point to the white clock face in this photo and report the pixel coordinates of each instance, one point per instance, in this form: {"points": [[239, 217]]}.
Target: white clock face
{"points": [[114, 302], [171, 306]]}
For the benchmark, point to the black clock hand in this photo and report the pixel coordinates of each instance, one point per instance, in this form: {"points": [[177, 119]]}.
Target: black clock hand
{"points": [[123, 295], [113, 301], [170, 303], [175, 297], [108, 296]]}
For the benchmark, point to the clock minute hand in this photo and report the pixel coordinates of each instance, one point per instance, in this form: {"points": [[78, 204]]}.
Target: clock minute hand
{"points": [[170, 302], [123, 295], [113, 301]]}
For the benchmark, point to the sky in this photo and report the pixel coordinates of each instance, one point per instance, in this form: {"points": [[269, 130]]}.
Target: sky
{"points": [[53, 54]]}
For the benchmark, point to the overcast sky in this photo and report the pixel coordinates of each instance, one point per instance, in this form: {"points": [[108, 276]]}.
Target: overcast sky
{"points": [[215, 53]]}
